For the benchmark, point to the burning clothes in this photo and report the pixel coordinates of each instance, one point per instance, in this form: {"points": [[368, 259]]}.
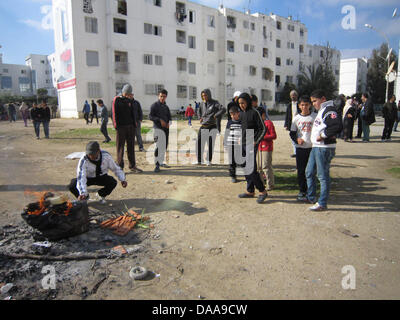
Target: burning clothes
{"points": [[56, 217]]}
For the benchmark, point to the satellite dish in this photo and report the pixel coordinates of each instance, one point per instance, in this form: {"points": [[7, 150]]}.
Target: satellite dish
{"points": [[390, 68], [391, 77]]}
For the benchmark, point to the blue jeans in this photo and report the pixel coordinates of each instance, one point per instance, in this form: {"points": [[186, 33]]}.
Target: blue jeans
{"points": [[190, 121], [365, 129], [36, 125], [318, 165]]}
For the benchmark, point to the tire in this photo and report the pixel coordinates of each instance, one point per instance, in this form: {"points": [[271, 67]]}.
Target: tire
{"points": [[138, 273]]}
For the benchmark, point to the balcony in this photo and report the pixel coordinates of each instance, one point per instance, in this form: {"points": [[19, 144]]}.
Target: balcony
{"points": [[122, 67]]}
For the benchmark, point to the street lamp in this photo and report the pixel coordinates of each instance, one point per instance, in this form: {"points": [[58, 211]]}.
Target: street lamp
{"points": [[387, 58]]}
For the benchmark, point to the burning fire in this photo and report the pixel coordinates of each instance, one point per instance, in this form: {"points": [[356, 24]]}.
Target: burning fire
{"points": [[47, 200]]}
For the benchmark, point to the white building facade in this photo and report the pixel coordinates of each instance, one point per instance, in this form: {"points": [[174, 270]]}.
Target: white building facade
{"points": [[353, 76], [181, 46]]}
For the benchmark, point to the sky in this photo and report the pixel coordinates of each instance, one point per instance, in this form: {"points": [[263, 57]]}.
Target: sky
{"points": [[25, 25]]}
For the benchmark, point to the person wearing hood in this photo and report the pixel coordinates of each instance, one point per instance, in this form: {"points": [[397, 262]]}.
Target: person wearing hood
{"points": [[349, 114], [253, 131], [210, 110], [326, 128]]}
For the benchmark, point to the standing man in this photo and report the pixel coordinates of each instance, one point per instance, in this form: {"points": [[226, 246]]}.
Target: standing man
{"points": [[46, 119], [12, 112], [367, 115], [291, 111], [161, 117], [86, 111], [137, 108], [124, 122], [210, 111], [54, 108], [94, 112], [104, 120], [326, 128], [390, 115]]}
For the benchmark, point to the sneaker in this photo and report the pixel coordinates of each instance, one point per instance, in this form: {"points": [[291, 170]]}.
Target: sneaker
{"points": [[141, 149], [164, 165], [293, 156], [302, 197], [101, 199], [136, 170], [262, 197], [196, 163], [317, 207], [208, 163], [234, 180], [157, 169]]}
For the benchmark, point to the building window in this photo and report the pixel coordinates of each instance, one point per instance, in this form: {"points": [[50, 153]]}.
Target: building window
{"points": [[181, 64], [265, 35], [192, 92], [192, 42], [252, 70], [246, 48], [121, 62], [253, 26], [119, 26], [277, 80], [288, 62], [265, 52], [192, 67], [6, 82], [153, 89], [252, 48], [278, 43], [210, 45], [148, 59], [24, 84], [157, 31], [211, 69], [5, 70], [301, 33], [91, 25], [289, 79], [231, 22], [291, 27], [278, 61], [92, 58], [301, 48], [230, 70], [337, 72], [122, 7], [279, 25], [245, 24], [321, 54], [266, 95], [310, 53], [211, 21], [267, 74], [180, 36], [230, 46], [23, 71], [192, 16], [181, 92], [157, 3], [158, 60], [148, 28]]}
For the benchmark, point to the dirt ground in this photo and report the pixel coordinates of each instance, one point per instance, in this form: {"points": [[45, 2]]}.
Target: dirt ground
{"points": [[207, 243]]}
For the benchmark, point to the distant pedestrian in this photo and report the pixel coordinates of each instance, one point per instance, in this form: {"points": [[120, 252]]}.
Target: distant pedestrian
{"points": [[54, 108], [94, 112], [12, 112], [367, 114], [104, 120], [189, 114], [389, 112], [24, 110], [160, 114], [86, 111], [349, 114], [37, 118], [46, 119], [398, 117]]}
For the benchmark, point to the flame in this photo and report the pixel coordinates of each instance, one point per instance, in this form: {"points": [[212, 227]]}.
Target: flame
{"points": [[41, 196], [69, 207]]}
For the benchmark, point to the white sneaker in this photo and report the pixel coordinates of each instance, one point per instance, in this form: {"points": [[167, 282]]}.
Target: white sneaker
{"points": [[101, 199], [317, 207], [208, 163]]}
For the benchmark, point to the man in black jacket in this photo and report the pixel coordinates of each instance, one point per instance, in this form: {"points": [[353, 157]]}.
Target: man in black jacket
{"points": [[161, 117], [124, 122], [390, 115], [292, 110], [94, 112], [209, 112], [367, 115]]}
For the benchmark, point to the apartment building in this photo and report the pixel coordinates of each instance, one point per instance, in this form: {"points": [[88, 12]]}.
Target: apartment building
{"points": [[181, 46], [353, 76]]}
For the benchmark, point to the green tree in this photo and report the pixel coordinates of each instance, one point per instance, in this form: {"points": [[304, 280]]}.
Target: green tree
{"points": [[319, 76], [42, 92], [377, 69], [285, 94]]}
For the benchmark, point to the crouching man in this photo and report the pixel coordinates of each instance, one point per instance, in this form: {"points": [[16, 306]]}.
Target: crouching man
{"points": [[92, 170]]}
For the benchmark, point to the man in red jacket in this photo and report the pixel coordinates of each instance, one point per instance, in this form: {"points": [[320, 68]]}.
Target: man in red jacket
{"points": [[189, 114], [265, 149]]}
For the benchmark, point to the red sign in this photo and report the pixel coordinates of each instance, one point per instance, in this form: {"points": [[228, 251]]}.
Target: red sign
{"points": [[66, 84]]}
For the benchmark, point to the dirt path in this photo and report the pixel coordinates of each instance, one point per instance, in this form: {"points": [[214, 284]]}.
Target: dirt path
{"points": [[209, 243]]}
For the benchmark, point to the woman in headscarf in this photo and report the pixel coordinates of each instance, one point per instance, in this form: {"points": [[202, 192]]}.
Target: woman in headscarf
{"points": [[253, 131], [349, 115]]}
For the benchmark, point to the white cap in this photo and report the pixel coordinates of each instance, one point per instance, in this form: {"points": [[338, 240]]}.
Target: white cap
{"points": [[237, 94]]}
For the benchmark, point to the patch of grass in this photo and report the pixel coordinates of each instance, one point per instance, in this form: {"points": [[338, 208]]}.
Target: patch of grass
{"points": [[286, 181], [395, 172]]}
